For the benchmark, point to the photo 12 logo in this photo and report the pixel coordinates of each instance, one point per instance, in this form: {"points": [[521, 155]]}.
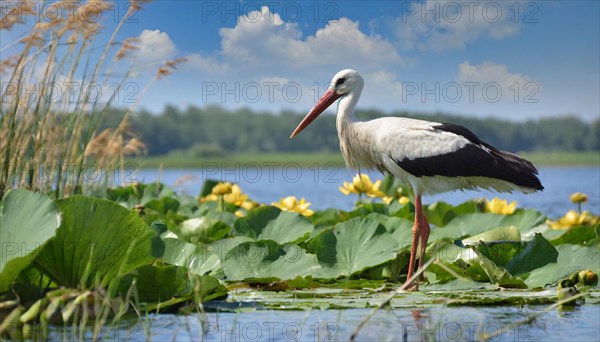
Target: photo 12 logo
{"points": [[253, 12], [71, 92], [471, 92], [253, 92], [450, 12], [90, 12]]}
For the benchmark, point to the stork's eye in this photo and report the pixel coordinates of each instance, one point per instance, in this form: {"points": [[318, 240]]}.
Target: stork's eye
{"points": [[340, 81]]}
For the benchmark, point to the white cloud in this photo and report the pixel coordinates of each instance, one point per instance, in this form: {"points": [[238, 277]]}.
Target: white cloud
{"points": [[208, 65], [155, 46], [443, 25], [262, 41], [264, 49], [488, 72]]}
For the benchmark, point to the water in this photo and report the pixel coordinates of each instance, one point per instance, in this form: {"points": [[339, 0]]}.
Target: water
{"points": [[320, 186], [419, 324]]}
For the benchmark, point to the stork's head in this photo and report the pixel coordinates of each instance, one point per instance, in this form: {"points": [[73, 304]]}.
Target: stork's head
{"points": [[343, 83]]}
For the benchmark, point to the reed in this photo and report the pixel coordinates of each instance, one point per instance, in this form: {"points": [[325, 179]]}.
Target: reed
{"points": [[50, 106]]}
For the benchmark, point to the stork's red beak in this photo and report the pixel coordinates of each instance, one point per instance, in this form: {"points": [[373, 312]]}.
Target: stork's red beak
{"points": [[326, 100]]}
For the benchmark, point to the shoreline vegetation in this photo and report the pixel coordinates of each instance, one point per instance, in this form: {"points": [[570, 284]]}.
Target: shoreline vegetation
{"points": [[324, 159]]}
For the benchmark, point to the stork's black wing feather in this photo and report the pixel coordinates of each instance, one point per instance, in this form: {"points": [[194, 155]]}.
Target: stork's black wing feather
{"points": [[475, 159]]}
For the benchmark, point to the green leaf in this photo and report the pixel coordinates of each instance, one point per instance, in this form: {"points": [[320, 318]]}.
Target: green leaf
{"points": [[270, 223], [156, 284], [266, 260], [497, 234], [500, 252], [497, 274], [203, 229], [471, 224], [358, 244], [197, 259], [440, 213], [367, 208], [576, 235], [571, 258], [163, 205], [326, 218], [97, 241], [27, 221], [538, 253], [400, 228]]}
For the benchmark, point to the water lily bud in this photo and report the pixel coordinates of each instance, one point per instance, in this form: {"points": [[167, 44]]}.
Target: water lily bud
{"points": [[574, 277], [139, 208], [588, 278], [579, 197], [566, 283], [568, 292], [221, 189]]}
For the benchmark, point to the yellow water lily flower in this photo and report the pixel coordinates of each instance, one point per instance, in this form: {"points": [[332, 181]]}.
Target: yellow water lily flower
{"points": [[498, 206], [249, 205], [291, 203], [361, 184], [239, 213], [222, 189], [231, 193], [579, 197], [235, 196], [403, 199], [573, 218]]}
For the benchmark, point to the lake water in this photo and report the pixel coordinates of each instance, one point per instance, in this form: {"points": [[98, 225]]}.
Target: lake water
{"points": [[319, 186], [419, 324]]}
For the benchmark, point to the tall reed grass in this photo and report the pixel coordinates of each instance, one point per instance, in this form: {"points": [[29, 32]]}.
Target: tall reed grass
{"points": [[50, 108]]}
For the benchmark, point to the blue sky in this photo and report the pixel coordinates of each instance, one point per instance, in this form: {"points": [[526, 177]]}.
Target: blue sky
{"points": [[508, 59]]}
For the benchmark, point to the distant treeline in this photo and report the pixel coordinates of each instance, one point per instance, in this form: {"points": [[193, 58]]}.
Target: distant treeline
{"points": [[213, 130]]}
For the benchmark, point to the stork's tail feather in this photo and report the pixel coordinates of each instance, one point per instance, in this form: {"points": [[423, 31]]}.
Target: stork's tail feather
{"points": [[517, 170]]}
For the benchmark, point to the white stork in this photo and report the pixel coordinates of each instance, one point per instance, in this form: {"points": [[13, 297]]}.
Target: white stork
{"points": [[431, 157]]}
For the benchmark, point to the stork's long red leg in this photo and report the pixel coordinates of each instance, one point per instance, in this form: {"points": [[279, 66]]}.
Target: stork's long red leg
{"points": [[416, 233], [424, 233]]}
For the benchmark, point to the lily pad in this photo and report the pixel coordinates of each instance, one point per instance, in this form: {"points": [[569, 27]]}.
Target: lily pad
{"points": [[353, 246], [156, 284], [270, 223], [537, 253], [27, 221], [267, 260], [580, 235], [203, 229], [440, 213], [571, 258], [197, 259], [498, 274], [97, 241], [511, 233], [472, 224]]}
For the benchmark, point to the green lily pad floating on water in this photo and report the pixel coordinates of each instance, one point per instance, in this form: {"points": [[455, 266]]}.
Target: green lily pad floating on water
{"points": [[197, 259], [267, 260], [27, 221], [571, 258], [467, 225], [97, 242], [353, 246], [270, 223]]}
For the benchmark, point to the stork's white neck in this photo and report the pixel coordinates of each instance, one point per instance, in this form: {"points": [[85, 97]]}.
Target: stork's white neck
{"points": [[345, 113], [345, 124]]}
